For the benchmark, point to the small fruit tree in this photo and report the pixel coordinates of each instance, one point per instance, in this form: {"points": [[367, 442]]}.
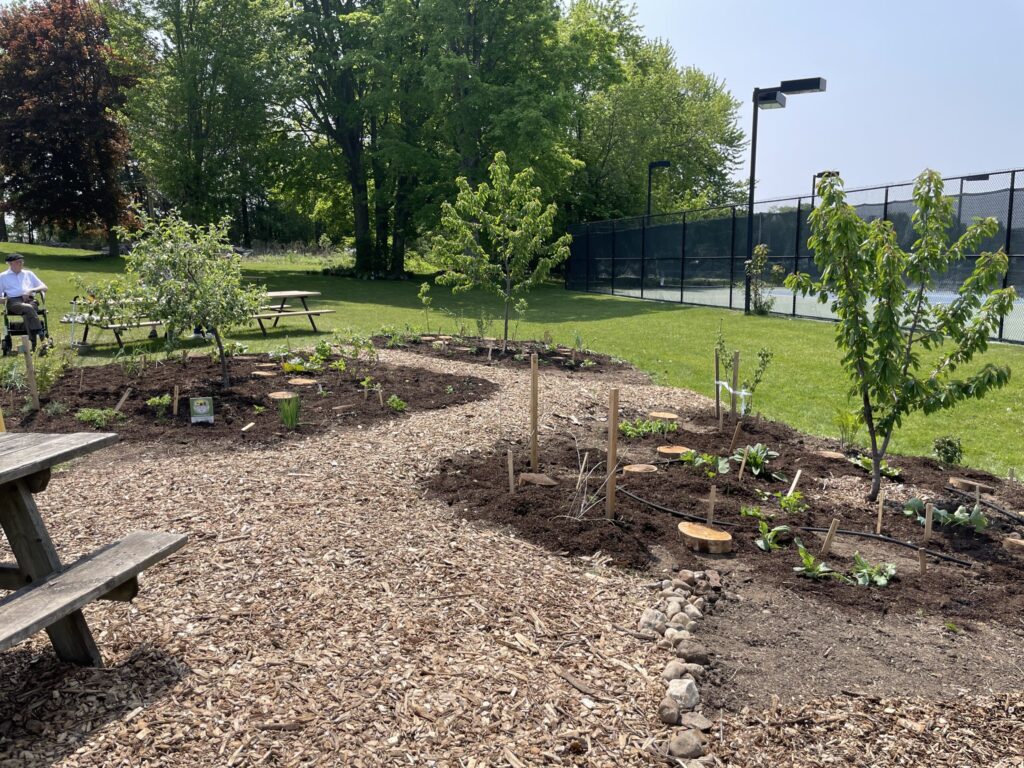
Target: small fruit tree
{"points": [[903, 353], [496, 237], [188, 276]]}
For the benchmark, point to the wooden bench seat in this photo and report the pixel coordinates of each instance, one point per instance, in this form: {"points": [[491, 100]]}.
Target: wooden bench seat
{"points": [[41, 604], [275, 316]]}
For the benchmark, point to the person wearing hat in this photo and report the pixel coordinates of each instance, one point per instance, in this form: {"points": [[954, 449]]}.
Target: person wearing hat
{"points": [[18, 286]]}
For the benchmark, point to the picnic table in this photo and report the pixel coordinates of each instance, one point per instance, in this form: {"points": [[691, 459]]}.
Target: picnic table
{"points": [[89, 312], [281, 308], [48, 595]]}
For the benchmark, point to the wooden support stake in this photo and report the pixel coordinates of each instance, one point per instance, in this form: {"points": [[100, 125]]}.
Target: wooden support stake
{"points": [[718, 391], [735, 382], [30, 372], [534, 384], [735, 438], [743, 464], [921, 561], [81, 378], [3, 424], [613, 452], [881, 509], [1011, 475], [977, 495], [249, 426], [929, 512], [380, 396], [795, 481], [489, 351], [829, 536], [120, 403], [711, 504], [511, 473], [174, 401]]}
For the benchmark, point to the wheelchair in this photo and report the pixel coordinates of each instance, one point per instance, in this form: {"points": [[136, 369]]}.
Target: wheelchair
{"points": [[14, 325]]}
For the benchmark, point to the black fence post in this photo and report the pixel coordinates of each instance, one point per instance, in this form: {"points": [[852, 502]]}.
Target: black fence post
{"points": [[885, 206], [732, 255], [796, 249], [643, 254], [682, 261], [613, 258], [1009, 243], [587, 273]]}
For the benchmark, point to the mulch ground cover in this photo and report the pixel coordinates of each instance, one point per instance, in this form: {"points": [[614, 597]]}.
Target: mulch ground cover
{"points": [[334, 398], [643, 537]]}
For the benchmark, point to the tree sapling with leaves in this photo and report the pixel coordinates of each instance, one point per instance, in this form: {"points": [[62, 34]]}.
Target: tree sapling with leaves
{"points": [[901, 352], [497, 237]]}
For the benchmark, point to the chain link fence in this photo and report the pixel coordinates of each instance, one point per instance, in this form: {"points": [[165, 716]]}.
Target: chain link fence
{"points": [[697, 257]]}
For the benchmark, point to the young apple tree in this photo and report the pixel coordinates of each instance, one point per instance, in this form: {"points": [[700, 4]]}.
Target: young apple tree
{"points": [[188, 276], [902, 352], [497, 237]]}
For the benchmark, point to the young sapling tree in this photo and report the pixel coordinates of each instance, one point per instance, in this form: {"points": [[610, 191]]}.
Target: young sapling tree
{"points": [[903, 353], [497, 237]]}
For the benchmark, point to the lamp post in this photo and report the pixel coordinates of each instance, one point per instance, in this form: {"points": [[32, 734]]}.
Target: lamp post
{"points": [[820, 175], [960, 197], [769, 98], [650, 170]]}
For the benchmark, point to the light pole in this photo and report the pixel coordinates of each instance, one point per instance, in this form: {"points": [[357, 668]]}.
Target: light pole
{"points": [[650, 170], [960, 197], [820, 175], [769, 98]]}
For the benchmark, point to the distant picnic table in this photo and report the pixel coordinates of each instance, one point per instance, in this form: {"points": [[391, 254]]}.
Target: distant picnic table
{"points": [[46, 594], [281, 308]]}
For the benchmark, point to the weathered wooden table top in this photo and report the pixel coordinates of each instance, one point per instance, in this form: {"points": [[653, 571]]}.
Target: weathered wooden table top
{"points": [[25, 453]]}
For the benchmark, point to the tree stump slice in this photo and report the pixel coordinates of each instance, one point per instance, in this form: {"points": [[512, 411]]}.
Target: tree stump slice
{"points": [[532, 478], [300, 381], [702, 538], [267, 365], [672, 451], [964, 484], [1015, 546], [639, 469], [663, 416], [282, 395], [264, 374], [443, 338], [826, 454]]}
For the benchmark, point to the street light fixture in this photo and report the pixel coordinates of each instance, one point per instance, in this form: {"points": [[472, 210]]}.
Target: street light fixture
{"points": [[769, 98], [960, 198], [650, 169], [820, 175]]}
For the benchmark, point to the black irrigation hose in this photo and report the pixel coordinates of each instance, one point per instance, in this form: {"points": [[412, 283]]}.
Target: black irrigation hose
{"points": [[1006, 513], [810, 529]]}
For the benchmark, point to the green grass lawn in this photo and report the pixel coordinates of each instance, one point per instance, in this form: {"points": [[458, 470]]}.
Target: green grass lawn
{"points": [[674, 343]]}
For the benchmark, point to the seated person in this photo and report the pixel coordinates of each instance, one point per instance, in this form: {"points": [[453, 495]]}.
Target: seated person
{"points": [[18, 286]]}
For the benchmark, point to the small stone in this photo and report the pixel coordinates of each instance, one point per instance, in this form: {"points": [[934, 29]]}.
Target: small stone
{"points": [[693, 612], [668, 711], [699, 603], [651, 618], [682, 637], [664, 643], [699, 575], [694, 653], [696, 721], [681, 586], [666, 583], [660, 629], [696, 671], [715, 579], [674, 607], [684, 692], [686, 744], [691, 626], [674, 670], [34, 726], [687, 577], [679, 618]]}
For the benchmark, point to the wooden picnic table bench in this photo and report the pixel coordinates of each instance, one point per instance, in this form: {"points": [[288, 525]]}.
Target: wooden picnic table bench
{"points": [[283, 309], [48, 595], [82, 314]]}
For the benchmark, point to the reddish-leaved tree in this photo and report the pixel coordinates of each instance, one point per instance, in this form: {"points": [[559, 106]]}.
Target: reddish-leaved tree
{"points": [[62, 150]]}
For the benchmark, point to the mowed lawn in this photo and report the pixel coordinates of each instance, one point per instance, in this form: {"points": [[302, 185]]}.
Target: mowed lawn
{"points": [[803, 387]]}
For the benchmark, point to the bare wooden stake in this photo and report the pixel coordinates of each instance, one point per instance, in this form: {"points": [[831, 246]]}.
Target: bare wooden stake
{"points": [[881, 509], [718, 391], [977, 495], [121, 402], [743, 464], [1011, 475], [380, 396], [827, 546], [735, 438], [490, 350], [534, 384], [3, 424], [81, 378], [711, 504], [795, 481], [922, 561], [613, 452], [30, 372], [735, 382], [249, 426], [929, 512], [174, 401], [511, 473]]}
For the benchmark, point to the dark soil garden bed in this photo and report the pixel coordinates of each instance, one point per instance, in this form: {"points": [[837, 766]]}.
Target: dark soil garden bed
{"points": [[471, 349], [644, 538], [335, 399]]}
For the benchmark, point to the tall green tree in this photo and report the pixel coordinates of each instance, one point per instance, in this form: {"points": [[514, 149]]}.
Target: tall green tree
{"points": [[62, 150], [903, 353]]}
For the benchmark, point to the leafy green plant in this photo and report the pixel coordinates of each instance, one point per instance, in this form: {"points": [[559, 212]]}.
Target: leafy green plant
{"points": [[865, 463], [756, 513], [12, 374], [288, 410], [962, 517], [367, 384], [338, 365], [866, 574], [758, 456], [763, 277], [98, 418], [449, 390], [711, 465], [764, 359], [49, 369], [160, 405], [849, 424], [426, 300], [901, 353], [810, 566], [791, 503], [645, 427], [397, 404], [768, 540], [948, 449], [258, 409], [55, 408], [133, 362]]}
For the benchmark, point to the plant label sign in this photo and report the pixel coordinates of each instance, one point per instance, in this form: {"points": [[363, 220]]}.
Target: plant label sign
{"points": [[201, 410]]}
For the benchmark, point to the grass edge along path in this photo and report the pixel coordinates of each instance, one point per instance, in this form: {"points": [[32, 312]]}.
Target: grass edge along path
{"points": [[674, 343]]}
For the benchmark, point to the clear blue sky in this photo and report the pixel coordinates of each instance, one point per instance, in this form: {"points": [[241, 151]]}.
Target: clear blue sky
{"points": [[911, 83]]}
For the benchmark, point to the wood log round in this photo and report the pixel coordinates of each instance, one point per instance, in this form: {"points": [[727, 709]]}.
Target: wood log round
{"points": [[267, 365], [301, 381], [826, 454], [663, 416], [282, 395], [264, 374], [964, 484], [672, 451], [639, 469], [702, 538]]}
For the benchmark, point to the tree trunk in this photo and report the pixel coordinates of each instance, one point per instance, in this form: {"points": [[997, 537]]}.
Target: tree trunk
{"points": [[246, 230], [3, 226], [504, 341], [876, 456], [113, 246], [400, 227], [223, 358]]}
